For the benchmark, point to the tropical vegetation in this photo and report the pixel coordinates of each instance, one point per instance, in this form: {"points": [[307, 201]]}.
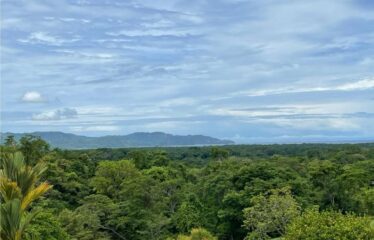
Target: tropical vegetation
{"points": [[306, 191]]}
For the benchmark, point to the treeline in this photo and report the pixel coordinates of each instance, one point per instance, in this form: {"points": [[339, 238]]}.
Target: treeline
{"points": [[201, 155], [307, 191]]}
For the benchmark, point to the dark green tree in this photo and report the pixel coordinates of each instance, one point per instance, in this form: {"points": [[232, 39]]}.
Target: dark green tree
{"points": [[33, 148]]}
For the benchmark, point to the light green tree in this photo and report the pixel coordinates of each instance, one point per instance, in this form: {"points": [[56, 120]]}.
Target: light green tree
{"points": [[197, 234], [269, 215], [111, 174], [329, 225]]}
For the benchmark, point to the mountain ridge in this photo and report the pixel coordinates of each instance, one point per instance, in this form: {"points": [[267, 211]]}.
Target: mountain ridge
{"points": [[136, 139]]}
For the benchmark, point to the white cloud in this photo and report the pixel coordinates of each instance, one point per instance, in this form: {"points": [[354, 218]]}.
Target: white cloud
{"points": [[360, 85], [354, 86], [98, 110], [72, 20], [151, 32], [89, 55], [313, 124], [58, 114], [46, 38], [182, 101], [32, 96], [163, 23], [98, 128]]}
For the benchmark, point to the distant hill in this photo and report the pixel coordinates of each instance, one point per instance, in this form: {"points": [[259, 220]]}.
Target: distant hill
{"points": [[138, 139]]}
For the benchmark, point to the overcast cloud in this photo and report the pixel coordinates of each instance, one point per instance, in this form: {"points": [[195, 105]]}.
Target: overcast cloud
{"points": [[250, 71]]}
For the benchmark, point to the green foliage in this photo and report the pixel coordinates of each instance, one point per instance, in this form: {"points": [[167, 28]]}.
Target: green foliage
{"points": [[354, 187], [110, 176], [269, 215], [219, 153], [230, 192], [19, 188], [33, 148], [197, 234], [82, 225], [189, 214], [329, 225], [70, 178], [10, 143], [46, 226], [140, 159]]}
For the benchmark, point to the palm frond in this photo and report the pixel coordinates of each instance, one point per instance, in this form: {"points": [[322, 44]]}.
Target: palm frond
{"points": [[18, 189], [34, 194], [11, 216], [9, 190]]}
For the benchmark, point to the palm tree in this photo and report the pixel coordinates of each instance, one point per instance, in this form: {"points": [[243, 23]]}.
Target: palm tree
{"points": [[19, 187]]}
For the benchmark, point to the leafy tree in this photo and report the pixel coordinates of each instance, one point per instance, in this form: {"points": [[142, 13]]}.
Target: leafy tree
{"points": [[365, 201], [170, 184], [10, 146], [19, 188], [231, 215], [140, 159], [198, 234], [269, 215], [10, 141], [69, 178], [82, 225], [160, 193], [33, 148], [323, 176], [110, 176], [213, 183], [149, 192], [95, 218], [102, 206], [145, 195], [189, 214], [160, 158], [46, 226], [353, 192], [155, 227], [329, 225], [219, 153]]}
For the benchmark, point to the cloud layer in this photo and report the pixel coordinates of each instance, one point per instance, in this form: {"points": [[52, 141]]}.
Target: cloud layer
{"points": [[58, 114], [251, 71]]}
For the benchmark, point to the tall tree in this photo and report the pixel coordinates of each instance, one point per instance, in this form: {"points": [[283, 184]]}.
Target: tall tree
{"points": [[33, 148], [10, 141]]}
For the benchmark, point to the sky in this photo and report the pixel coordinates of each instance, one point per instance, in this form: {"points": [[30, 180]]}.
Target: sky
{"points": [[250, 71]]}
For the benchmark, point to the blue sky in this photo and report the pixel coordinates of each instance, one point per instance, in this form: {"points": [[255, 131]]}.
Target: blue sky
{"points": [[250, 71]]}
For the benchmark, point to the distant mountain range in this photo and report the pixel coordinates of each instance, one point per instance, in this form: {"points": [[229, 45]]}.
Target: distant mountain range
{"points": [[138, 139]]}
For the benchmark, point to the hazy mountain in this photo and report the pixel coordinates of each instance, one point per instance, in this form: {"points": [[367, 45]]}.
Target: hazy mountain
{"points": [[139, 139]]}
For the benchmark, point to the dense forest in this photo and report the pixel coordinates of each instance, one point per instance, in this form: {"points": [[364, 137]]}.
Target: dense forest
{"points": [[305, 191]]}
